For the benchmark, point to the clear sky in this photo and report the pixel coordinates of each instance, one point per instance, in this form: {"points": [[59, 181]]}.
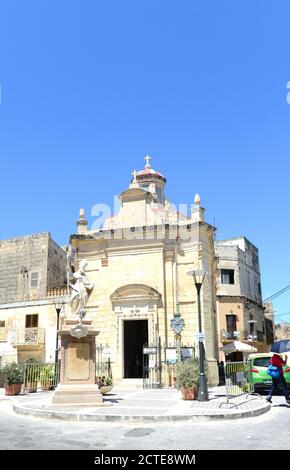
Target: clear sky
{"points": [[88, 88]]}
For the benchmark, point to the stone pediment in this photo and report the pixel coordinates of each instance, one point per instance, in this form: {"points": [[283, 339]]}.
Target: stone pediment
{"points": [[136, 292], [135, 194]]}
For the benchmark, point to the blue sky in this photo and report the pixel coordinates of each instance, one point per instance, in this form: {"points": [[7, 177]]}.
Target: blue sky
{"points": [[88, 88]]}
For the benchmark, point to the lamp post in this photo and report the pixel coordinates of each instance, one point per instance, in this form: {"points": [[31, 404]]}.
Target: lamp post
{"points": [[58, 307], [198, 278]]}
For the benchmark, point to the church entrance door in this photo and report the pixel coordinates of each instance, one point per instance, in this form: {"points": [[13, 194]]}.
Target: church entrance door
{"points": [[135, 337]]}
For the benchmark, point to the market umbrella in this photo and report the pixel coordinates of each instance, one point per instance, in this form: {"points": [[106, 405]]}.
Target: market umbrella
{"points": [[281, 346], [238, 346]]}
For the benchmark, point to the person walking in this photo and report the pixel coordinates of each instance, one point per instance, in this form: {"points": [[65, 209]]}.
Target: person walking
{"points": [[278, 362], [222, 374]]}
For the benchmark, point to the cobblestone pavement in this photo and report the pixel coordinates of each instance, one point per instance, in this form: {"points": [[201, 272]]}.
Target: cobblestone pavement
{"points": [[155, 405], [270, 431]]}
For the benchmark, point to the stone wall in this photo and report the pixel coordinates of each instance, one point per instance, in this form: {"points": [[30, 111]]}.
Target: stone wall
{"points": [[20, 260], [56, 265], [28, 265]]}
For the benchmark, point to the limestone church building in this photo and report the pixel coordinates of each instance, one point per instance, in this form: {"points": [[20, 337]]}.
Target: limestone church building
{"points": [[139, 263]]}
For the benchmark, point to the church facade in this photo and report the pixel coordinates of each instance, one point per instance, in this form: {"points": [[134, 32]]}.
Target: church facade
{"points": [[139, 263]]}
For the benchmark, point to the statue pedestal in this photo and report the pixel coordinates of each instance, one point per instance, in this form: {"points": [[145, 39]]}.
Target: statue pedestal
{"points": [[78, 370], [78, 395]]}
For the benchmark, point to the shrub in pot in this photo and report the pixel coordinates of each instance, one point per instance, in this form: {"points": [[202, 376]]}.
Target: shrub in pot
{"points": [[187, 378], [13, 378], [105, 385]]}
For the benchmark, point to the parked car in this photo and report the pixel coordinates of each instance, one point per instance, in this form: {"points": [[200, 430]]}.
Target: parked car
{"points": [[257, 375]]}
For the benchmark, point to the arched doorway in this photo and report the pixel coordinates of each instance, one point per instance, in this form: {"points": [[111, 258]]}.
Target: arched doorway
{"points": [[136, 310]]}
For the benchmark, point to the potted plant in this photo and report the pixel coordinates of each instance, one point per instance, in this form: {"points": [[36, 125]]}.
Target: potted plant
{"points": [[105, 385], [47, 376], [187, 378], [13, 378]]}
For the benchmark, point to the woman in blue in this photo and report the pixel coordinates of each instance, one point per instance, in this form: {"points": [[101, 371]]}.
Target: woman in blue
{"points": [[278, 362]]}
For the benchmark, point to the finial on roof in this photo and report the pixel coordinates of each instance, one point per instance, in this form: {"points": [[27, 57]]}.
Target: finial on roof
{"points": [[147, 166], [82, 223], [134, 174], [197, 200]]}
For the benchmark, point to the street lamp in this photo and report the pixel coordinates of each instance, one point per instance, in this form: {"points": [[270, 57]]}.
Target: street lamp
{"points": [[58, 307], [198, 278]]}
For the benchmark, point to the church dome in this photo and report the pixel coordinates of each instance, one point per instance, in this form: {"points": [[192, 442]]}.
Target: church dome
{"points": [[148, 174], [150, 180]]}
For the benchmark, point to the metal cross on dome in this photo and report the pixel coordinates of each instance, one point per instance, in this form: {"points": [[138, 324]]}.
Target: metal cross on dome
{"points": [[147, 158]]}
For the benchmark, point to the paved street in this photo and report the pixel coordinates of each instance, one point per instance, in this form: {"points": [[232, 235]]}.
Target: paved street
{"points": [[144, 406], [270, 431]]}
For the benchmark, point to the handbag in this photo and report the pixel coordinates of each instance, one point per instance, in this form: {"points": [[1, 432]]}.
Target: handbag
{"points": [[273, 371]]}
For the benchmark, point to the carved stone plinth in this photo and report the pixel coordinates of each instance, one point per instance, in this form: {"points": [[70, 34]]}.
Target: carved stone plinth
{"points": [[78, 395], [78, 370]]}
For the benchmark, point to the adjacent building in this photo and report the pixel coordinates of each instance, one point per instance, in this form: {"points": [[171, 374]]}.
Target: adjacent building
{"points": [[240, 307], [30, 268]]}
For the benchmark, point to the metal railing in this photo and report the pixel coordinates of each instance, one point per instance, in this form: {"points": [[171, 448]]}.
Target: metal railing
{"points": [[236, 380], [229, 335], [103, 363], [41, 377]]}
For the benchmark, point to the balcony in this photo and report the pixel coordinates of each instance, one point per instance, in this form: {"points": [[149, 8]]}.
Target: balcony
{"points": [[226, 336], [258, 336], [28, 337], [58, 291], [230, 335]]}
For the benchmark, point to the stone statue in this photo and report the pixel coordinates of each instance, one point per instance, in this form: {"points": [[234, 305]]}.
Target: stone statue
{"points": [[80, 290]]}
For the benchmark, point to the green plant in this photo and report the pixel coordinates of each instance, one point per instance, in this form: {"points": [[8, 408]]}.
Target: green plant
{"points": [[47, 373], [108, 382], [187, 373], [12, 373]]}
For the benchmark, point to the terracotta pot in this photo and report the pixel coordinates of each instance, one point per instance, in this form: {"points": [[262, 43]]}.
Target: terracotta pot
{"points": [[12, 390], [189, 393], [106, 389]]}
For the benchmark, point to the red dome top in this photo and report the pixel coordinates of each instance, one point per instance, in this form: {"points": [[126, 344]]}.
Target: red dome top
{"points": [[149, 172]]}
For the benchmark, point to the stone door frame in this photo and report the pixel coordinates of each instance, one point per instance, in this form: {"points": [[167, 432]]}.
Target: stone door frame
{"points": [[134, 302]]}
